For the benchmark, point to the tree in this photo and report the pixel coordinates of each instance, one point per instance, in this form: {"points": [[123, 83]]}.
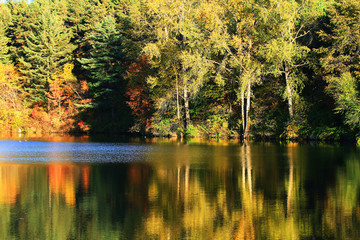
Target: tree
{"points": [[241, 47], [284, 51], [17, 29], [4, 49], [138, 95], [5, 18], [106, 67], [62, 95], [47, 49], [178, 52], [340, 58], [13, 113]]}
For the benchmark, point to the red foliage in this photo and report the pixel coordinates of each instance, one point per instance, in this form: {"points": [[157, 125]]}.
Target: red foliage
{"points": [[136, 67], [139, 103], [84, 127]]}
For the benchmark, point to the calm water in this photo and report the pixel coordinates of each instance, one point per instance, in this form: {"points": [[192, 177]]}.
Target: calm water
{"points": [[78, 189]]}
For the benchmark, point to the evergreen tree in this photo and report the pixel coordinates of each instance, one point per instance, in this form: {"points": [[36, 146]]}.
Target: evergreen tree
{"points": [[4, 49], [106, 67], [23, 16], [47, 49]]}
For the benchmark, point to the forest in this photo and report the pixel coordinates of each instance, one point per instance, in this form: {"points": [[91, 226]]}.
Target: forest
{"points": [[204, 68]]}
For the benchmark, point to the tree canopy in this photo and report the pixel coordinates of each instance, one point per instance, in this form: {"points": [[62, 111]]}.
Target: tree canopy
{"points": [[197, 68]]}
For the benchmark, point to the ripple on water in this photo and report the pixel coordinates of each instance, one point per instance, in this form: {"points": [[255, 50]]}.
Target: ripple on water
{"points": [[37, 151]]}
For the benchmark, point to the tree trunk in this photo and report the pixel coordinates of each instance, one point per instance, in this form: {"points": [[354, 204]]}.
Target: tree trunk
{"points": [[177, 100], [247, 128], [186, 105], [243, 111], [59, 109], [290, 94]]}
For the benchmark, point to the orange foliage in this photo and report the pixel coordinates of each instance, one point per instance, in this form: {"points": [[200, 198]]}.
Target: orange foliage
{"points": [[85, 101], [139, 101], [60, 86], [84, 86], [84, 127], [136, 67]]}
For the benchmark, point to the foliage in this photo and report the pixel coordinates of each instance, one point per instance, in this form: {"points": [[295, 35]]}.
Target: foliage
{"points": [[47, 50], [105, 69], [209, 68], [13, 113]]}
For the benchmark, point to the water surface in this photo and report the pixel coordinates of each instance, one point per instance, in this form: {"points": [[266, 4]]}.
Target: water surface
{"points": [[75, 188]]}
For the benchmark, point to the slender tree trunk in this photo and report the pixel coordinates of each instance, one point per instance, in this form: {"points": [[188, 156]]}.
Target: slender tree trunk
{"points": [[178, 106], [166, 34], [243, 110], [47, 82], [59, 109], [177, 99], [289, 93], [186, 105], [248, 101]]}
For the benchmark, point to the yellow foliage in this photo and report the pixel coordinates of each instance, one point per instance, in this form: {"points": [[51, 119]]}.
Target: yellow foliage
{"points": [[13, 113]]}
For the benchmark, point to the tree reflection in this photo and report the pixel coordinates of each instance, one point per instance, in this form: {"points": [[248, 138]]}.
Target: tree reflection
{"points": [[62, 180], [341, 219], [246, 226], [174, 195]]}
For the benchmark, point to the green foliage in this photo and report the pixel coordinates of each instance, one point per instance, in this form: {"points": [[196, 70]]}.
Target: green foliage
{"points": [[47, 49], [346, 95], [105, 68], [328, 133], [107, 58], [163, 127], [5, 18], [4, 49], [209, 68], [193, 131]]}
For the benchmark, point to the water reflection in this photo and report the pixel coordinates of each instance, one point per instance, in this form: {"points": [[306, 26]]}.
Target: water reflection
{"points": [[185, 191]]}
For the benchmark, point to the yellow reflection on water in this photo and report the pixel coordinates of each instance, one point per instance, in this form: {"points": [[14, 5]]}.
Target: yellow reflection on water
{"points": [[62, 180], [10, 175]]}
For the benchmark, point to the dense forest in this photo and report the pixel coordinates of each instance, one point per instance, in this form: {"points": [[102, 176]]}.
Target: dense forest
{"points": [[209, 68]]}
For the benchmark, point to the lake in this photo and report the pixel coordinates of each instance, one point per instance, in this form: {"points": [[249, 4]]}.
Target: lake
{"points": [[83, 188]]}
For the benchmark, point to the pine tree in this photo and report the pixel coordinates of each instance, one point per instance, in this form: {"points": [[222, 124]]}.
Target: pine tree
{"points": [[105, 68], [47, 49], [23, 16], [4, 49]]}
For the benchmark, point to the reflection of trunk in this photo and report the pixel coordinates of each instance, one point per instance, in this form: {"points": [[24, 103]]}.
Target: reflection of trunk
{"points": [[186, 193], [290, 194], [291, 187], [186, 105], [249, 169], [246, 227], [178, 182], [246, 167], [289, 93]]}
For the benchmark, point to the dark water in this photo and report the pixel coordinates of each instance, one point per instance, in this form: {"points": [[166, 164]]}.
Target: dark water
{"points": [[78, 189]]}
